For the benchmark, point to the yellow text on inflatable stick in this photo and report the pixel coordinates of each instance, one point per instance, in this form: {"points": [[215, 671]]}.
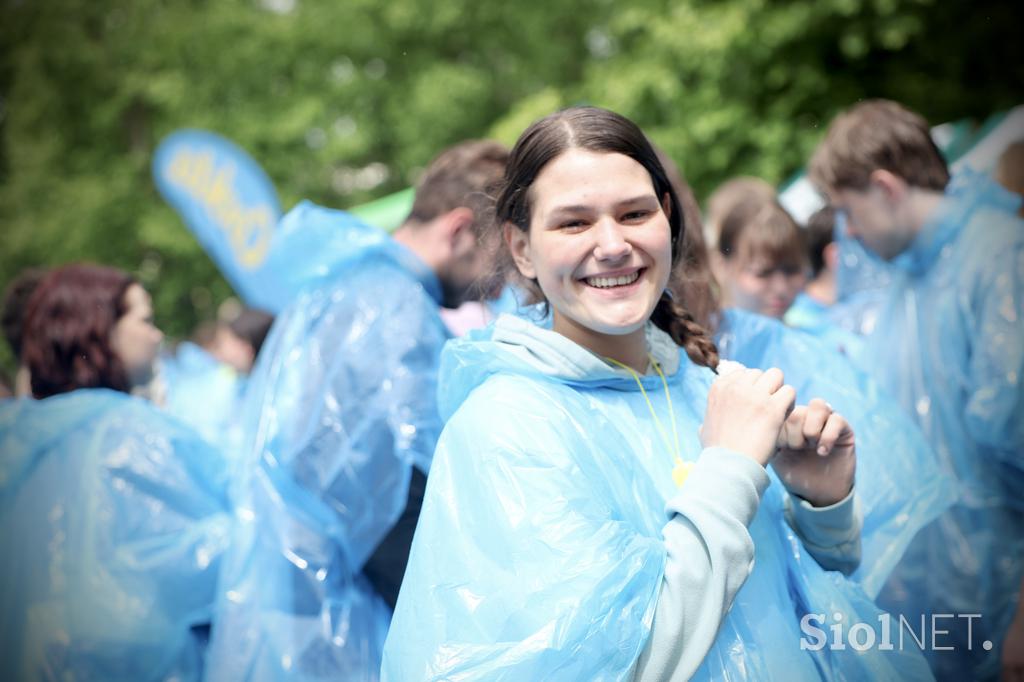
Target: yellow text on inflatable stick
{"points": [[248, 228]]}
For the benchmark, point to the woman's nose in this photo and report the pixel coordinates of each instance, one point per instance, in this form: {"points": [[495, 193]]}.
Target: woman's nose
{"points": [[611, 243]]}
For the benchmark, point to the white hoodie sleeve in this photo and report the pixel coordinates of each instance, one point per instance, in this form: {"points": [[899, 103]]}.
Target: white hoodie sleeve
{"points": [[710, 555], [830, 534]]}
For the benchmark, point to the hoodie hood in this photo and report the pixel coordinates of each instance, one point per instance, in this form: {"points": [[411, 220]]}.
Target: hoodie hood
{"points": [[512, 345]]}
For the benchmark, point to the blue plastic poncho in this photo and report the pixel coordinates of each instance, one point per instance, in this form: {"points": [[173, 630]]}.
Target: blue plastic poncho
{"points": [[858, 269], [311, 242], [815, 318], [948, 345], [862, 281], [539, 552], [340, 408], [205, 394], [113, 518], [805, 311], [901, 483]]}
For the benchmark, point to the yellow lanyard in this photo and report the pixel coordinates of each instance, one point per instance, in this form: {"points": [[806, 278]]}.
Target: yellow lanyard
{"points": [[681, 469]]}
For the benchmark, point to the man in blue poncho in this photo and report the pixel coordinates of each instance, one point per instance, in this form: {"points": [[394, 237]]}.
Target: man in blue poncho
{"points": [[947, 343], [341, 422]]}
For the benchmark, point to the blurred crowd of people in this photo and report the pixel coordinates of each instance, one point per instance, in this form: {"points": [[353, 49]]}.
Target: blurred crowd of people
{"points": [[656, 443]]}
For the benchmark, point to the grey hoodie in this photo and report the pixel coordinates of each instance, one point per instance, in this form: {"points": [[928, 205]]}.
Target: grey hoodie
{"points": [[709, 550]]}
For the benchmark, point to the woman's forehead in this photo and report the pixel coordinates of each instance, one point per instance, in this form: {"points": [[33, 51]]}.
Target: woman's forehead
{"points": [[579, 177]]}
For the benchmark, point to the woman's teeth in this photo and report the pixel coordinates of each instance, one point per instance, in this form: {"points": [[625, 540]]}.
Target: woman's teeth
{"points": [[606, 282]]}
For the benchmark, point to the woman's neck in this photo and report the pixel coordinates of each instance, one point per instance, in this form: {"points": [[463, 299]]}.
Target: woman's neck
{"points": [[630, 349]]}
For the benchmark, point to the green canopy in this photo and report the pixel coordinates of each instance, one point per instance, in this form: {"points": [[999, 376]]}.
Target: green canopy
{"points": [[388, 212]]}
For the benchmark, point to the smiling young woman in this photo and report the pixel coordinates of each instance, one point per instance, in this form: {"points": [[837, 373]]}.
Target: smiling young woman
{"points": [[600, 249], [597, 498]]}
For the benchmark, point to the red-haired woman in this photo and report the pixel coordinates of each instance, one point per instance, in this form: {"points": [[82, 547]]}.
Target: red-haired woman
{"points": [[89, 327], [112, 515]]}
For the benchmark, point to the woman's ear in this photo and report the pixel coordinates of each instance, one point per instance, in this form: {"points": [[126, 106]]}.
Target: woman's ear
{"points": [[519, 245], [666, 205]]}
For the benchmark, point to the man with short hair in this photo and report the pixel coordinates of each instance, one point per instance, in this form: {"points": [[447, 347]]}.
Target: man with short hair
{"points": [[948, 344], [342, 420]]}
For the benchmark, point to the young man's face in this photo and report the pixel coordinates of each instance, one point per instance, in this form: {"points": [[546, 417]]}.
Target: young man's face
{"points": [[873, 218]]}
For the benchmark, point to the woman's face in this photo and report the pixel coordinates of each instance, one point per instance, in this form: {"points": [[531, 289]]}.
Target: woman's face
{"points": [[761, 286], [135, 339], [599, 244]]}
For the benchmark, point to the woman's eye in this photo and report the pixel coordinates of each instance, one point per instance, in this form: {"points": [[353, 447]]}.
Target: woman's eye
{"points": [[570, 224], [635, 215]]}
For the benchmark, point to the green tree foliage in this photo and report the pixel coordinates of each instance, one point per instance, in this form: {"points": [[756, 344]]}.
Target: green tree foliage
{"points": [[748, 86], [343, 102]]}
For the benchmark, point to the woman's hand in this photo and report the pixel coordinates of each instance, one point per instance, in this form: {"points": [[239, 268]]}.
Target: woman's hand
{"points": [[816, 457], [746, 411]]}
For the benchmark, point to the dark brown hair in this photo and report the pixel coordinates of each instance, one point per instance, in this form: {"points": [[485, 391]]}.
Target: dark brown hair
{"points": [[252, 326], [600, 130], [692, 281], [821, 227], [68, 323], [878, 135]]}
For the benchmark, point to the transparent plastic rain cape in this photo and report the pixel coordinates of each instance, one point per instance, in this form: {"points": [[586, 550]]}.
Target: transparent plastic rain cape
{"points": [[862, 282], [948, 345], [340, 407], [306, 246], [113, 520], [812, 317], [539, 552], [205, 394], [900, 480]]}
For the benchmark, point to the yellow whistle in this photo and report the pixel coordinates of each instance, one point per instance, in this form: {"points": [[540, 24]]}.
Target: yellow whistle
{"points": [[681, 471]]}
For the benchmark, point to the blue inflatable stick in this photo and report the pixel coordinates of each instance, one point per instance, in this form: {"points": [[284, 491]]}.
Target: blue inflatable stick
{"points": [[230, 205]]}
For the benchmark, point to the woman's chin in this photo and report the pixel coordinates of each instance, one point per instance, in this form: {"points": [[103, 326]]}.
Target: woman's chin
{"points": [[621, 326]]}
